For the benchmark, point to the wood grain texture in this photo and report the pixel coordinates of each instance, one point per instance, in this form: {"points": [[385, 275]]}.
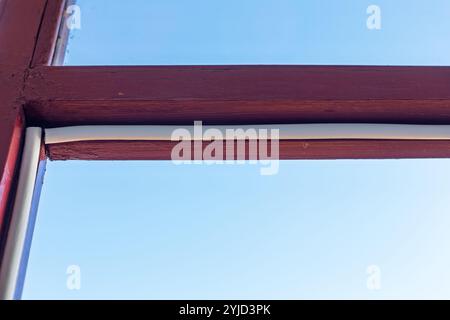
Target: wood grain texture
{"points": [[301, 149], [19, 26], [60, 96], [48, 35], [249, 83], [129, 112]]}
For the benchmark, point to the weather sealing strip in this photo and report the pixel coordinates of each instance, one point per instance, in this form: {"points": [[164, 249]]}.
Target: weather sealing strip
{"points": [[317, 131], [18, 228]]}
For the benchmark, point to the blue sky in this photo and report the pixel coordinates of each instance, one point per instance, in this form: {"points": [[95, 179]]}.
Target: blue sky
{"points": [[173, 32], [159, 231], [156, 230]]}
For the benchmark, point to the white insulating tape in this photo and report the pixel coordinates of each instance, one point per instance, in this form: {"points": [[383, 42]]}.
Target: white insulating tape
{"points": [[21, 213], [316, 131]]}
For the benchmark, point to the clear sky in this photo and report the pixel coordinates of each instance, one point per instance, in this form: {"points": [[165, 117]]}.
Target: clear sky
{"points": [[159, 231], [413, 32]]}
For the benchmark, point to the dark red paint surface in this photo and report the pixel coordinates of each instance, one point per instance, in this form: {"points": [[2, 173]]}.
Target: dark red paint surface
{"points": [[20, 21]]}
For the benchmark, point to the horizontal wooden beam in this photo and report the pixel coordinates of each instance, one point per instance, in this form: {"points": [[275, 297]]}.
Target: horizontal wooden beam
{"points": [[291, 149], [58, 96]]}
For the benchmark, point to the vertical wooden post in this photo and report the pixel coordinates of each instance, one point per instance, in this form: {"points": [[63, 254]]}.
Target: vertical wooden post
{"points": [[20, 21]]}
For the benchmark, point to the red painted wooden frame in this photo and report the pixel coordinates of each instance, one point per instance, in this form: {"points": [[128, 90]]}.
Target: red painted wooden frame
{"points": [[56, 96], [20, 22]]}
